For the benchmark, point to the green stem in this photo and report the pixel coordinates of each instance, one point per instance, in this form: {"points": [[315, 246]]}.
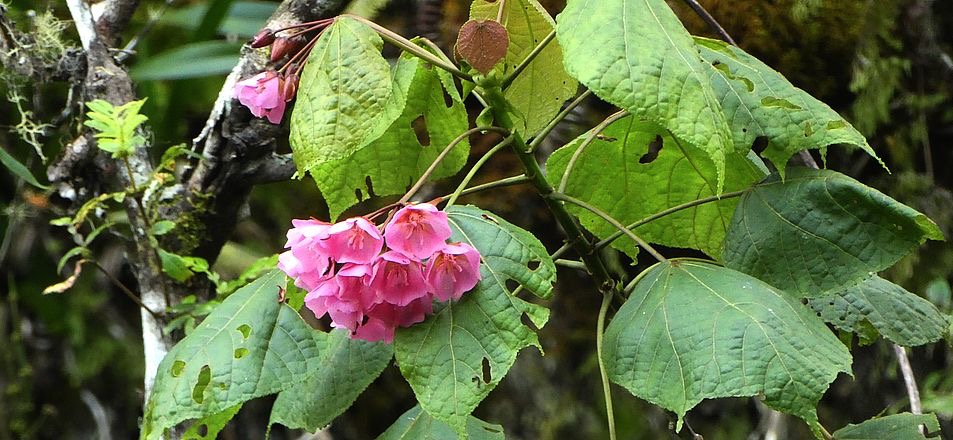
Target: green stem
{"points": [[436, 162], [605, 216], [606, 389], [572, 264], [476, 167], [585, 143], [529, 58], [605, 242], [597, 268], [122, 287], [509, 181], [405, 44], [541, 136]]}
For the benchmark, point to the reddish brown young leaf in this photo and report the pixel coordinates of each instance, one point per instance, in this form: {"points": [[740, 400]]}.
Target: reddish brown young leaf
{"points": [[482, 44]]}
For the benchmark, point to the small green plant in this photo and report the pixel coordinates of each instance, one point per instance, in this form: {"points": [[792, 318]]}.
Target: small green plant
{"points": [[116, 126]]}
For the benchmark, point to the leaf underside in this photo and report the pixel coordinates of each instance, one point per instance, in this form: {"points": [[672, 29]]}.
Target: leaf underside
{"points": [[832, 231], [693, 330], [416, 424], [898, 315], [904, 426]]}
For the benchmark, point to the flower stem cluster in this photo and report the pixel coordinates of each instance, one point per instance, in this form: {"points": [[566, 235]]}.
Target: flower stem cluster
{"points": [[267, 93], [371, 283]]}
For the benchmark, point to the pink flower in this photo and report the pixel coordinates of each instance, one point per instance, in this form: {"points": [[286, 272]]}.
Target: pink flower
{"points": [[384, 318], [307, 261], [345, 296], [354, 240], [453, 270], [263, 95], [418, 230], [398, 280]]}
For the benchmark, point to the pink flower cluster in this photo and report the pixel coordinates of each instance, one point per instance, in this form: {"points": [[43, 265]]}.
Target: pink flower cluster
{"points": [[371, 283]]}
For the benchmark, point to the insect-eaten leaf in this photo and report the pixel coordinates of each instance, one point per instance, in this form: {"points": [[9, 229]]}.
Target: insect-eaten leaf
{"points": [[482, 44]]}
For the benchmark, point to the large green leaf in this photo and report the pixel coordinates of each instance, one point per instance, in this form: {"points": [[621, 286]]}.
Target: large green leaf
{"points": [[460, 353], [759, 101], [416, 424], [693, 330], [820, 231], [898, 315], [538, 92], [904, 426], [394, 158], [249, 346], [637, 55], [342, 96], [618, 174], [348, 366]]}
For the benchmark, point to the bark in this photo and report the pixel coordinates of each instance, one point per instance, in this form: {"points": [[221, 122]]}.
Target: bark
{"points": [[237, 152]]}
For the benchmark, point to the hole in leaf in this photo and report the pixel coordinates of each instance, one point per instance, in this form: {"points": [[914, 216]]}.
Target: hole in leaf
{"points": [[512, 285], [245, 330], [486, 371], [491, 429], [489, 219], [524, 318], [831, 303], [654, 147], [202, 430], [177, 368], [842, 318], [804, 301], [744, 130], [818, 314], [241, 352], [760, 144], [370, 186], [419, 125], [447, 99], [357, 194], [533, 265], [198, 391], [834, 125]]}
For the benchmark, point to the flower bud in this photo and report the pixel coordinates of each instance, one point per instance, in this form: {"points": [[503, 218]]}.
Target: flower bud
{"points": [[263, 38], [290, 87], [285, 46]]}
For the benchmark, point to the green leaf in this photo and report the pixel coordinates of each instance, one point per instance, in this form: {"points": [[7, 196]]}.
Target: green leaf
{"points": [[637, 55], [175, 266], [348, 366], [416, 424], [897, 314], [193, 60], [249, 346], [116, 126], [692, 330], [342, 96], [538, 93], [820, 231], [461, 352], [759, 101], [637, 169], [397, 157], [19, 170], [904, 426], [210, 425], [162, 227]]}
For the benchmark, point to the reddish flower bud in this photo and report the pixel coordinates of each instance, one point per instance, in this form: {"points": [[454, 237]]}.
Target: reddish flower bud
{"points": [[285, 46], [263, 38], [290, 87]]}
